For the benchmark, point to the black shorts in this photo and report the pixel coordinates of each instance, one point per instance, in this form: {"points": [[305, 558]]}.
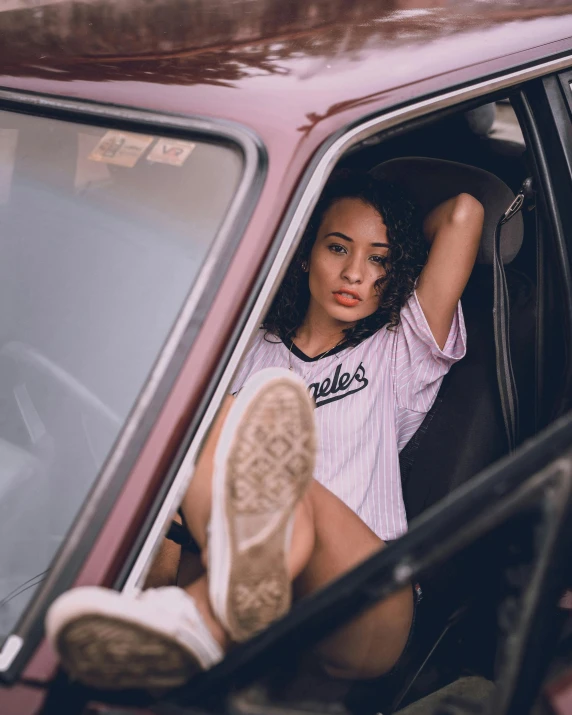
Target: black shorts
{"points": [[404, 657]]}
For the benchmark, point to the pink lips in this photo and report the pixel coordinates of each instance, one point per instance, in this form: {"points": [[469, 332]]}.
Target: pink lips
{"points": [[347, 298]]}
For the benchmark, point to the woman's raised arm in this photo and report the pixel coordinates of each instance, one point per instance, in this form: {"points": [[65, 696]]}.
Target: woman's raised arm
{"points": [[454, 231]]}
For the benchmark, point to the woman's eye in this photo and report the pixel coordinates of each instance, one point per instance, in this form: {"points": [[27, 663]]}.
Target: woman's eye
{"points": [[336, 248], [380, 260]]}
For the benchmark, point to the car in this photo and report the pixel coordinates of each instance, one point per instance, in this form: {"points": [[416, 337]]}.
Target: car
{"points": [[159, 162]]}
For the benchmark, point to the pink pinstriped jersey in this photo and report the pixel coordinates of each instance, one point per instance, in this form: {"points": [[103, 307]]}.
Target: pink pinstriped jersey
{"points": [[370, 400]]}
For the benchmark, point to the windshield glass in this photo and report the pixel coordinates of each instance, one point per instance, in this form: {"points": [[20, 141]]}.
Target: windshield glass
{"points": [[102, 235]]}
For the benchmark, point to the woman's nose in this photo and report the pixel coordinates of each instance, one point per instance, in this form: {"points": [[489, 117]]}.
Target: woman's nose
{"points": [[353, 270]]}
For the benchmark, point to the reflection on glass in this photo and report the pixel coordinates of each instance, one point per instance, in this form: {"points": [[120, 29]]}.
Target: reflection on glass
{"points": [[101, 241]]}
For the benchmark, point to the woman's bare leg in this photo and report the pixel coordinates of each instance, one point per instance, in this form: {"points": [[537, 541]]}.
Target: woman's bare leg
{"points": [[370, 644], [328, 540], [196, 505], [163, 571]]}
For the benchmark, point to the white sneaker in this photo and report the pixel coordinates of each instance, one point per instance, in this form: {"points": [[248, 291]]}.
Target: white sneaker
{"points": [[155, 639], [263, 464]]}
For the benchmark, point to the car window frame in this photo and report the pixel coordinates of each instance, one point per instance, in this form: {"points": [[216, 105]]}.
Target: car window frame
{"points": [[551, 446], [19, 645], [550, 99], [284, 244]]}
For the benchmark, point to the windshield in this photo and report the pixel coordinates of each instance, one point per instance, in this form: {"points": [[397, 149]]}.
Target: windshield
{"points": [[102, 234]]}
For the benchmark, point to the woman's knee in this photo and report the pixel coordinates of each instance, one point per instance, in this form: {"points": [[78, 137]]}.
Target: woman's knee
{"points": [[365, 672], [371, 644], [376, 665]]}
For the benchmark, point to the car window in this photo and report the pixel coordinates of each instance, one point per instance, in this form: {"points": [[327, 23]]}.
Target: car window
{"points": [[102, 235], [505, 128]]}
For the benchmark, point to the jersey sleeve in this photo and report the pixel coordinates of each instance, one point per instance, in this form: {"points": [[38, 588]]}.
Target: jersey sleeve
{"points": [[419, 364], [255, 359], [244, 371], [240, 376]]}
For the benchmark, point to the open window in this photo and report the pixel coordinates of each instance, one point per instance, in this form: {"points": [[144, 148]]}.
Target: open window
{"points": [[482, 152], [464, 531]]}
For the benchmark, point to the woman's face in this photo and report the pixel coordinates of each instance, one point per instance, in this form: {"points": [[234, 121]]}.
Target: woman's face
{"points": [[350, 254]]}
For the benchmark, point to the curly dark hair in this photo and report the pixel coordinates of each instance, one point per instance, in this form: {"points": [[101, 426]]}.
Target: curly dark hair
{"points": [[407, 256]]}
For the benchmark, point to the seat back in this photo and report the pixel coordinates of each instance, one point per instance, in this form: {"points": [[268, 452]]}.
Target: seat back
{"points": [[429, 182], [464, 430]]}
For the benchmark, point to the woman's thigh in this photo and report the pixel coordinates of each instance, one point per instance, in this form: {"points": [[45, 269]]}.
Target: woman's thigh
{"points": [[370, 644]]}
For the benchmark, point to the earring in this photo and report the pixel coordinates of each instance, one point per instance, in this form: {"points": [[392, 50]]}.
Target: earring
{"points": [[305, 266]]}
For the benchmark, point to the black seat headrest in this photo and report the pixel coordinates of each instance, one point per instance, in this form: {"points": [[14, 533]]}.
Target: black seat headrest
{"points": [[432, 181]]}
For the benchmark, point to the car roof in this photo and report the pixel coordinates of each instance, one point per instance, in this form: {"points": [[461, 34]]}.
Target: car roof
{"points": [[274, 65]]}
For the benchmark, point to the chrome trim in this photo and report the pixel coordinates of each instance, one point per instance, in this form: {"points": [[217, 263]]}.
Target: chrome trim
{"points": [[10, 650], [253, 171], [291, 231]]}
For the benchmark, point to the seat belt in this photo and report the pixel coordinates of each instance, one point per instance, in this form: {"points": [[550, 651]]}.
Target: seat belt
{"points": [[501, 322], [539, 332]]}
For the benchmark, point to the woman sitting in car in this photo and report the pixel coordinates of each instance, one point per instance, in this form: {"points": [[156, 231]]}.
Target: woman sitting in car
{"points": [[299, 479]]}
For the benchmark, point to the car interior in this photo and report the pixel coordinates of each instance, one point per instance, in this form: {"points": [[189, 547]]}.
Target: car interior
{"points": [[480, 149]]}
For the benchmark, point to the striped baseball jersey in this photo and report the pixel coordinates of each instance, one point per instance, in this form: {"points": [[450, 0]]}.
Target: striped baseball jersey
{"points": [[370, 399]]}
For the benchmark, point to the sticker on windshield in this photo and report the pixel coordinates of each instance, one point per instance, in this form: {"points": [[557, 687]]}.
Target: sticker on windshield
{"points": [[120, 148], [8, 144], [174, 152], [89, 174]]}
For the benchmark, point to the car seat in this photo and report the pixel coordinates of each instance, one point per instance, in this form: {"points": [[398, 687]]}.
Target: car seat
{"points": [[464, 431]]}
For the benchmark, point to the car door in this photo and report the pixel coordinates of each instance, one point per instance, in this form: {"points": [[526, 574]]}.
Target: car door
{"points": [[521, 507]]}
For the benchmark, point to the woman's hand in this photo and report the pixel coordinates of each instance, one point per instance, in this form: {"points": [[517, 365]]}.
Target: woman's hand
{"points": [[454, 231]]}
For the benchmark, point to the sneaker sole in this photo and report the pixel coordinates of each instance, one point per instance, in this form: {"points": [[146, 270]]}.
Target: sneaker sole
{"points": [[112, 654], [263, 466], [113, 642]]}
